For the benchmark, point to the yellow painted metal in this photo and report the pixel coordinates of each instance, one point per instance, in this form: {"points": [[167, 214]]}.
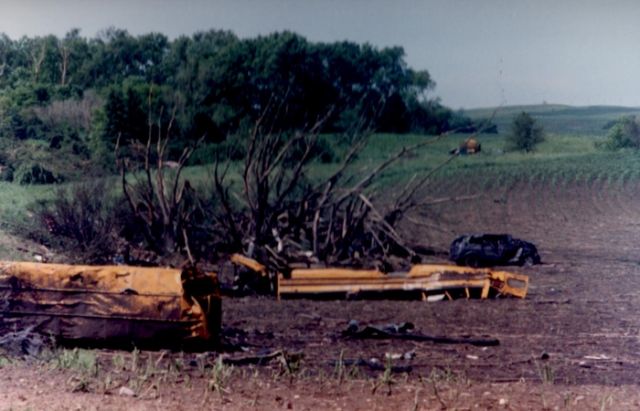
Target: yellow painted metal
{"points": [[289, 286], [336, 273], [471, 146], [427, 278], [157, 306], [249, 262], [510, 283]]}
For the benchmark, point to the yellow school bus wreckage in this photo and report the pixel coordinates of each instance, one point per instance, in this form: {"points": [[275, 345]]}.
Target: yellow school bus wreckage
{"points": [[431, 281], [114, 305], [123, 306]]}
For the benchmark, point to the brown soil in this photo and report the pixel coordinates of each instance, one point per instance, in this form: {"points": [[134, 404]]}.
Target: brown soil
{"points": [[582, 310]]}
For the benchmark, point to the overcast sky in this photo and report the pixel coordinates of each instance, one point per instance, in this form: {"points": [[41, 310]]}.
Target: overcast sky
{"points": [[480, 52]]}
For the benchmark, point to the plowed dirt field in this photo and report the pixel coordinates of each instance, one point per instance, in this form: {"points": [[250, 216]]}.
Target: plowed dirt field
{"points": [[582, 311]]}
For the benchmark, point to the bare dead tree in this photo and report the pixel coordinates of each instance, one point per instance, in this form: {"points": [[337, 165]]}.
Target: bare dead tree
{"points": [[282, 209], [3, 66], [65, 53], [161, 204], [37, 57]]}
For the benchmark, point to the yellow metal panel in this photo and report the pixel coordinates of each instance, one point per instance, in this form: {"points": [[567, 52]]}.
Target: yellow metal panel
{"points": [[152, 305], [428, 269], [510, 283], [319, 287], [249, 262], [335, 273], [109, 279], [421, 277]]}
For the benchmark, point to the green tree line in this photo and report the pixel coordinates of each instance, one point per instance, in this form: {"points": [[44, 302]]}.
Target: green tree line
{"points": [[79, 94]]}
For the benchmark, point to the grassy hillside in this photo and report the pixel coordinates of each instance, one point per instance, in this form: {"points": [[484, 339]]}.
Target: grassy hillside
{"points": [[565, 156], [559, 118]]}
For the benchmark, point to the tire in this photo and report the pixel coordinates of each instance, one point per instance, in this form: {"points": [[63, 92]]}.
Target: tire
{"points": [[471, 260], [528, 261]]}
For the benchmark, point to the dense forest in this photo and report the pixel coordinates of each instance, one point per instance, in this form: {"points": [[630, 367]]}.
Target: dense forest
{"points": [[73, 97]]}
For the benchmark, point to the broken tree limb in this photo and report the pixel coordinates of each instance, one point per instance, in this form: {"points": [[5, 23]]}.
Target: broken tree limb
{"points": [[253, 359], [392, 232], [286, 358], [376, 333]]}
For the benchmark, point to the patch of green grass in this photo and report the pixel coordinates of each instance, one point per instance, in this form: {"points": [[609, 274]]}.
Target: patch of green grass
{"points": [[14, 214], [564, 158]]}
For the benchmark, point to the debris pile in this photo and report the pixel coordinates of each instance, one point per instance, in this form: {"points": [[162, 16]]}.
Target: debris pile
{"points": [[404, 332]]}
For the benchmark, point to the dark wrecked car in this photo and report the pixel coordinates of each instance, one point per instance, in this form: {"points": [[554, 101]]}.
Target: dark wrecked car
{"points": [[484, 250]]}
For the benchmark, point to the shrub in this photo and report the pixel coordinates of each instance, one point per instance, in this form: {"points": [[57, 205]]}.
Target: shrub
{"points": [[525, 134], [6, 174], [34, 173], [625, 133], [80, 221]]}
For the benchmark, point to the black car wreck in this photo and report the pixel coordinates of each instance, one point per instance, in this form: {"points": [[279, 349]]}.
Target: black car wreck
{"points": [[484, 250]]}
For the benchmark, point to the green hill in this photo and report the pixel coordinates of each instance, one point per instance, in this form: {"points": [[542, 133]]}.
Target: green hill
{"points": [[559, 119]]}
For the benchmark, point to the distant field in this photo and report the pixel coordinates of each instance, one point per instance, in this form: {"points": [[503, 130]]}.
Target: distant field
{"points": [[559, 118], [560, 157], [563, 157]]}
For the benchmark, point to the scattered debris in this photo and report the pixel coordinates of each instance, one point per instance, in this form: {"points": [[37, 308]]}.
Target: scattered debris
{"points": [[373, 365], [253, 359], [126, 391], [597, 357], [264, 358], [22, 342], [111, 305], [352, 328], [400, 356], [470, 146], [372, 332]]}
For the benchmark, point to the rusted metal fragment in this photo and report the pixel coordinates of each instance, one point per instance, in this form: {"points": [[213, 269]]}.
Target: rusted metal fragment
{"points": [[112, 305]]}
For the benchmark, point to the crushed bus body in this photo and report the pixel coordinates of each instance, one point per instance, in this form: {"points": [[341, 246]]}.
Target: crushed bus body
{"points": [[430, 281], [112, 305]]}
